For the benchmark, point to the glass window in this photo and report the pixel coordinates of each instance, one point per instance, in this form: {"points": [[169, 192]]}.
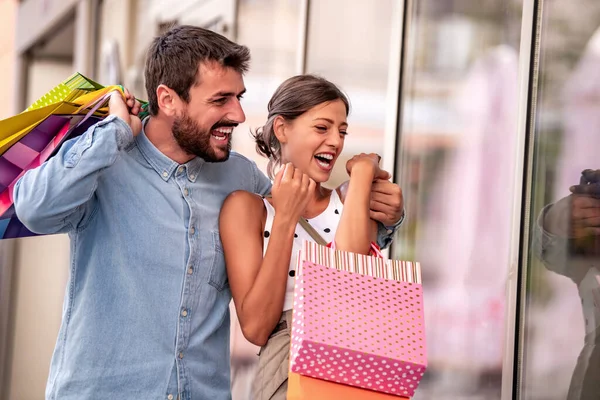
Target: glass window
{"points": [[456, 167], [562, 301], [351, 46]]}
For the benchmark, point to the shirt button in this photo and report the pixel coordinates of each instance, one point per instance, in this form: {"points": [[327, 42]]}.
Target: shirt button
{"points": [[186, 191], [170, 397], [184, 312], [179, 170], [165, 174], [389, 231], [192, 230], [192, 177], [180, 354], [190, 270]]}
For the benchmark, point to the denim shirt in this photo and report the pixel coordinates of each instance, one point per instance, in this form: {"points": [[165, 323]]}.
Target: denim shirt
{"points": [[146, 313]]}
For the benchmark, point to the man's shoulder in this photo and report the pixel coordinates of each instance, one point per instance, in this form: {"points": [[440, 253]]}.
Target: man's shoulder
{"points": [[238, 164], [236, 158], [237, 173]]}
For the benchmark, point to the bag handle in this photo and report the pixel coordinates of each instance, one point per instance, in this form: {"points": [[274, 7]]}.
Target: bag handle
{"points": [[375, 251], [309, 229], [312, 232]]}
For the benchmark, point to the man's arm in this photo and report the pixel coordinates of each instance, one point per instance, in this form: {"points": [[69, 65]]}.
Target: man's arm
{"points": [[566, 236], [60, 194]]}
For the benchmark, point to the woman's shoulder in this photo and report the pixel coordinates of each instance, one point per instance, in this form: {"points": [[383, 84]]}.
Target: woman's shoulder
{"points": [[242, 201]]}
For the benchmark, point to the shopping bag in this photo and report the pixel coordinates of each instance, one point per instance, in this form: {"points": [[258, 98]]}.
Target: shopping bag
{"points": [[358, 320], [307, 388], [69, 90], [15, 128], [32, 137]]}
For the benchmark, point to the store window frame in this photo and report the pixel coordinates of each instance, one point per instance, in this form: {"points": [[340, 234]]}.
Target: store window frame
{"points": [[517, 271]]}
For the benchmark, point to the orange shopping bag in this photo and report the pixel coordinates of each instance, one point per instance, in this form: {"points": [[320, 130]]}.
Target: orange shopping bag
{"points": [[305, 388]]}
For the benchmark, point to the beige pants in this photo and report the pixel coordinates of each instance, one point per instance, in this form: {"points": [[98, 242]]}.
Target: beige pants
{"points": [[271, 380]]}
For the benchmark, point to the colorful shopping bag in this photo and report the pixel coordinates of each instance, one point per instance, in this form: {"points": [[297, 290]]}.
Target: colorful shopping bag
{"points": [[307, 388], [69, 90], [30, 138], [358, 320], [73, 96]]}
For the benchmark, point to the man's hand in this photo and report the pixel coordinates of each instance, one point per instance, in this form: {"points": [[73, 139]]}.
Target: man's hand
{"points": [[387, 202], [127, 110], [589, 183], [575, 216]]}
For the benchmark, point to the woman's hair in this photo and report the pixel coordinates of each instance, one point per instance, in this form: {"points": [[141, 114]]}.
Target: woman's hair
{"points": [[293, 97]]}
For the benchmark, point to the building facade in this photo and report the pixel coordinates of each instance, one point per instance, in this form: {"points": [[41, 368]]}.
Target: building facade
{"points": [[483, 110]]}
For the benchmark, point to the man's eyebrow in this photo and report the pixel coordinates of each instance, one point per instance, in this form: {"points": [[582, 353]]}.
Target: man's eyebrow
{"points": [[229, 94]]}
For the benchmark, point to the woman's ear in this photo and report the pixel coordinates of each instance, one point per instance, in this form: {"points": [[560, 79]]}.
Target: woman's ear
{"points": [[280, 129], [167, 100]]}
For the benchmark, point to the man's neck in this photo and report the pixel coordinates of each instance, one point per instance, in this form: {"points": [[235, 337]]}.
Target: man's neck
{"points": [[159, 132]]}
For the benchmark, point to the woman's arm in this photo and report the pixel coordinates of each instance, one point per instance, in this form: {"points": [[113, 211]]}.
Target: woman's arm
{"points": [[258, 283], [356, 230]]}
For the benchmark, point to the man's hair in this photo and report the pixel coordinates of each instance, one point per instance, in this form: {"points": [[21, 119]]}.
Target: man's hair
{"points": [[174, 57]]}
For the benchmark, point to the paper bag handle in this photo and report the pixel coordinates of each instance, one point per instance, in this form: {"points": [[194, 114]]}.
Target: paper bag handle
{"points": [[312, 232]]}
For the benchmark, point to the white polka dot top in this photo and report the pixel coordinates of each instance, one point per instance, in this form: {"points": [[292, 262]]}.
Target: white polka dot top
{"points": [[325, 223]]}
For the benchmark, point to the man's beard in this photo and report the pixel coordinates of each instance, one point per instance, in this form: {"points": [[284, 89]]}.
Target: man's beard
{"points": [[194, 140]]}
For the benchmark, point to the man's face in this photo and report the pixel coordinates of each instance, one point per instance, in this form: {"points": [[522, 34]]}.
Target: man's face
{"points": [[204, 127]]}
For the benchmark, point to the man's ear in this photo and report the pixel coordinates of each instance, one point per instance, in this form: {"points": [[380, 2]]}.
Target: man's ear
{"points": [[168, 100]]}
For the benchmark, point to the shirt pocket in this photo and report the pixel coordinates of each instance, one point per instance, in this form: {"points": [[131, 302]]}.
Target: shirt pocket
{"points": [[218, 273], [74, 154]]}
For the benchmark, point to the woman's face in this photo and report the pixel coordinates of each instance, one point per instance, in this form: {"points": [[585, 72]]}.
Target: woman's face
{"points": [[314, 140]]}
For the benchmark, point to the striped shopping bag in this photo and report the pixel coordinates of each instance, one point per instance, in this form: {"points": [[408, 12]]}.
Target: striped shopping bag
{"points": [[358, 320]]}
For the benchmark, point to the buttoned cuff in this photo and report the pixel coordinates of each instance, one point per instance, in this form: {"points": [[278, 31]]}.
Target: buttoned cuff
{"points": [[392, 228]]}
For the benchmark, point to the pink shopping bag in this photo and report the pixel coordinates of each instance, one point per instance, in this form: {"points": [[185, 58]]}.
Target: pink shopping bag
{"points": [[358, 320]]}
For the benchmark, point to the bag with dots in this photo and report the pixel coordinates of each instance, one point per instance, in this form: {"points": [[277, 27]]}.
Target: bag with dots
{"points": [[358, 320]]}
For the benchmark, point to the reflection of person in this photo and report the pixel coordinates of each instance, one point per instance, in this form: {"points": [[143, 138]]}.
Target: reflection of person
{"points": [[304, 135], [568, 242], [146, 312]]}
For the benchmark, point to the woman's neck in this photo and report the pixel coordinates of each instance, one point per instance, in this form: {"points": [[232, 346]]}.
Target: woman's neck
{"points": [[318, 203]]}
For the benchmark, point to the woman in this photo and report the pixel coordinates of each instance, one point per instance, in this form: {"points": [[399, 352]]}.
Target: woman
{"points": [[304, 135]]}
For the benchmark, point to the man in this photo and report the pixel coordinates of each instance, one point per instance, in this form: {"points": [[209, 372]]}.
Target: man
{"points": [[568, 242], [146, 310]]}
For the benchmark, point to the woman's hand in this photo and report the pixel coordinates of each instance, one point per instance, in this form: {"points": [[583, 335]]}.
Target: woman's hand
{"points": [[292, 191], [368, 163]]}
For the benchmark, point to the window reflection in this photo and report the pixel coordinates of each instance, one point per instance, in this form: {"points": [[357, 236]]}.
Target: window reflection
{"points": [[563, 300], [457, 171]]}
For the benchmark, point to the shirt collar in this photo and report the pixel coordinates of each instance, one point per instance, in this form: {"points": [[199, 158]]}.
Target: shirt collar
{"points": [[163, 165]]}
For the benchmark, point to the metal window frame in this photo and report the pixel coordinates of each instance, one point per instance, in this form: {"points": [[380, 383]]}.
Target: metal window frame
{"points": [[517, 284]]}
